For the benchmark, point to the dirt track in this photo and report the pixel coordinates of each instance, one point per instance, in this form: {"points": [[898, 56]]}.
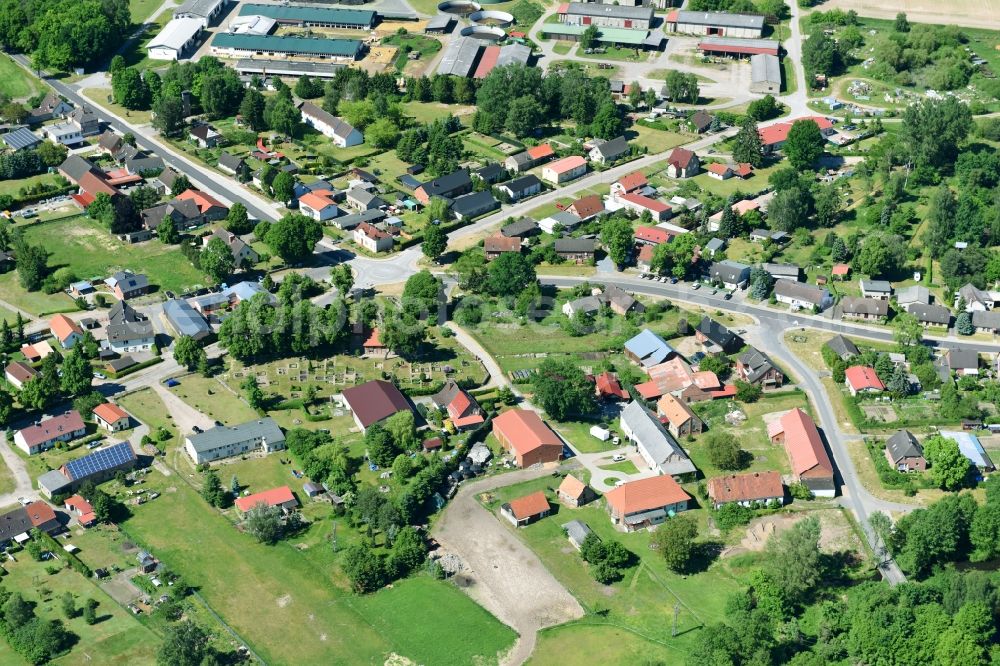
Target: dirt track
{"points": [[501, 573], [972, 13]]}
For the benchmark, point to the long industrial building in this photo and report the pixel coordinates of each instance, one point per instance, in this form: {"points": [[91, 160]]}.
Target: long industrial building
{"points": [[737, 48], [719, 24], [645, 39], [322, 70], [606, 16], [314, 17], [244, 46]]}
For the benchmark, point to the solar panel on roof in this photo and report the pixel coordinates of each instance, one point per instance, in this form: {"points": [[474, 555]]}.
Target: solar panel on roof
{"points": [[99, 461]]}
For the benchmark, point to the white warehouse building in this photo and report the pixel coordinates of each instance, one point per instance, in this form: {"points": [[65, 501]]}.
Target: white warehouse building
{"points": [[765, 74], [719, 24], [177, 36]]}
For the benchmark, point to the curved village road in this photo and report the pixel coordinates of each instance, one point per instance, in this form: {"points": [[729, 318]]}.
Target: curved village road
{"points": [[774, 324], [504, 575]]}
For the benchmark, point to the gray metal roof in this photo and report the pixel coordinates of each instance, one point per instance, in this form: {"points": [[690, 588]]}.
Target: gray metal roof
{"points": [[842, 346], [911, 295], [769, 44], [730, 272], [765, 68], [649, 348], [611, 11], [204, 8], [576, 531], [21, 138], [877, 286], [724, 19], [53, 481], [221, 436], [757, 361], [652, 436], [439, 22], [185, 319], [287, 67], [858, 305], [989, 319], [176, 34], [513, 54], [460, 56]]}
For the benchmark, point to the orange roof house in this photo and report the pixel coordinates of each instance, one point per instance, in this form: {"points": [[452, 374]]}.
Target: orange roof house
{"points": [[811, 465], [607, 386], [840, 270], [632, 181], [745, 489], [775, 136], [112, 417], [280, 497], [573, 492], [524, 510], [542, 152], [524, 434], [677, 416], [66, 330], [205, 202], [82, 509], [646, 502]]}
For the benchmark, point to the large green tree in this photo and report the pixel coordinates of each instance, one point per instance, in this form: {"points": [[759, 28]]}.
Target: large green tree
{"points": [[932, 130], [562, 390], [509, 274], [217, 260], [294, 237], [618, 239], [794, 561], [675, 541], [804, 144], [747, 146]]}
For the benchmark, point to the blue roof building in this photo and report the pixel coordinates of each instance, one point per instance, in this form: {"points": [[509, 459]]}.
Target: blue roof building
{"points": [[971, 448], [648, 349], [185, 320]]}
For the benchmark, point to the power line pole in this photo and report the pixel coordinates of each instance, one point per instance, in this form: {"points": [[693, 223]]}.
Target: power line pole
{"points": [[677, 611]]}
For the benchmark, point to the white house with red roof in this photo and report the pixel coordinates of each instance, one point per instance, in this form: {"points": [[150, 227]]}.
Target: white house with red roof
{"points": [[280, 497], [111, 417], [862, 379], [719, 171], [82, 509], [319, 205], [461, 407], [632, 182], [639, 204], [652, 236], [683, 163], [43, 435], [774, 136], [67, 331], [566, 169]]}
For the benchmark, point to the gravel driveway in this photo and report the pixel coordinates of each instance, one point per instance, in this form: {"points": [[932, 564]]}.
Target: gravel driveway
{"points": [[502, 574]]}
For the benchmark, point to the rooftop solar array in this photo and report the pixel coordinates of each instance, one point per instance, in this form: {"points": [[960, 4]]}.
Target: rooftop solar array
{"points": [[100, 461]]}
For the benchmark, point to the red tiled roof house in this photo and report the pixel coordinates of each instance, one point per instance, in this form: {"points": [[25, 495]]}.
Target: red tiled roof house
{"points": [[640, 504], [746, 489], [811, 465], [525, 510], [526, 436], [111, 417]]}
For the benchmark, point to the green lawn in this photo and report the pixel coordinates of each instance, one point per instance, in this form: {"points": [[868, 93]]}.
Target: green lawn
{"points": [[35, 302], [91, 251], [657, 141], [289, 601], [209, 396], [625, 467], [425, 46], [143, 9], [578, 434], [118, 639], [8, 315], [15, 82], [427, 112], [591, 641], [752, 433], [13, 187], [562, 47], [102, 96]]}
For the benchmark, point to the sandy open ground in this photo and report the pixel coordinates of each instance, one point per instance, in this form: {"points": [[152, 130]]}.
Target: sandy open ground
{"points": [[972, 13]]}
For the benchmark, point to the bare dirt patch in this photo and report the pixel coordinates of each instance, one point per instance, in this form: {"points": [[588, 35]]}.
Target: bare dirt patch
{"points": [[284, 600], [883, 413], [836, 534]]}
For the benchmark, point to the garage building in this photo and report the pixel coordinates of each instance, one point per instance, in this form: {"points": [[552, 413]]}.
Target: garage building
{"points": [[765, 74], [737, 48], [177, 36]]}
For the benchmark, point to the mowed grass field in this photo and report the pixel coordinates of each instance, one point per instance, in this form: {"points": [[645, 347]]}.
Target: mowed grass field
{"points": [[291, 605], [36, 302], [118, 639], [14, 81], [91, 251]]}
